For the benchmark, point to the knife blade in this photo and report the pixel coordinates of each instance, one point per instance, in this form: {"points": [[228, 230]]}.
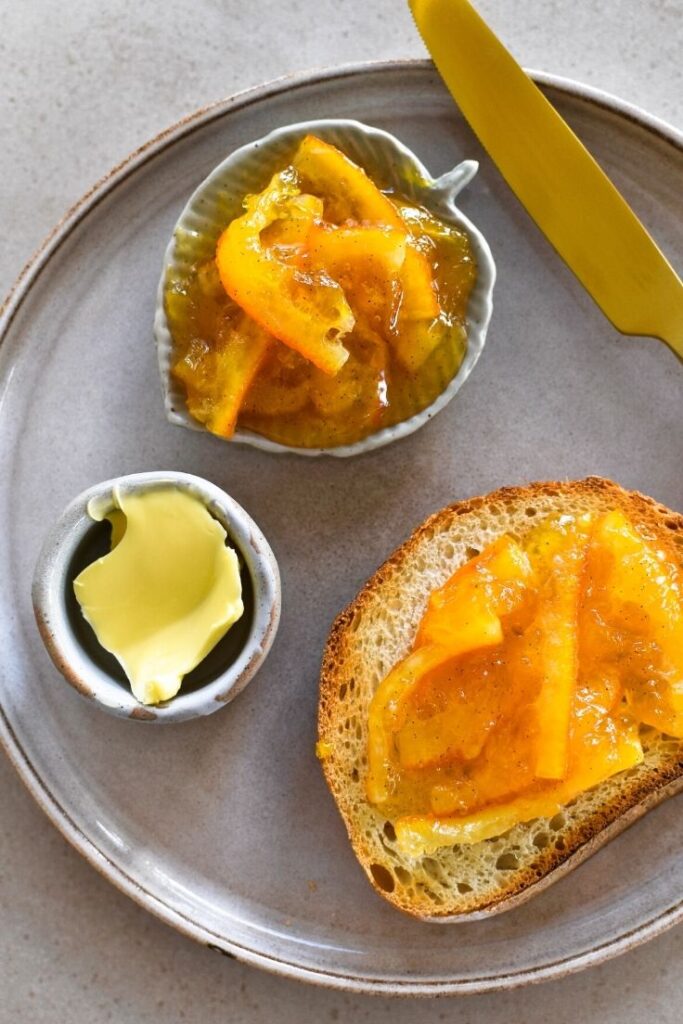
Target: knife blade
{"points": [[551, 172]]}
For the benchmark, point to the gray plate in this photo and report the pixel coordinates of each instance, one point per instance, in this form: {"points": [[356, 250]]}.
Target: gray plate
{"points": [[223, 827]]}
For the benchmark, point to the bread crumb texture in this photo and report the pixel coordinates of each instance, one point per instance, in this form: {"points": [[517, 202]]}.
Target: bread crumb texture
{"points": [[376, 631]]}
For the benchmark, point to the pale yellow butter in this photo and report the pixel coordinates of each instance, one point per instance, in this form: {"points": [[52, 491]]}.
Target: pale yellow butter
{"points": [[166, 593]]}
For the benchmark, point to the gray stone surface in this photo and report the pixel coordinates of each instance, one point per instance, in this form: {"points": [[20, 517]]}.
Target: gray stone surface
{"points": [[82, 84]]}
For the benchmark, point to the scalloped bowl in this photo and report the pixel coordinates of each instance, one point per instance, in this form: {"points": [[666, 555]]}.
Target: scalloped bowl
{"points": [[392, 166]]}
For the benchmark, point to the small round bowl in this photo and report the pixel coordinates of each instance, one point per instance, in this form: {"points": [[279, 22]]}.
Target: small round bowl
{"points": [[77, 540], [218, 200]]}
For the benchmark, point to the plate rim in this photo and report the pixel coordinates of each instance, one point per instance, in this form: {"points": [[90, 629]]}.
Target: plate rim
{"points": [[9, 741]]}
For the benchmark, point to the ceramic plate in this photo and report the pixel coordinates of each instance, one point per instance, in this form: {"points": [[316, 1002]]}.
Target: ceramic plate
{"points": [[223, 826]]}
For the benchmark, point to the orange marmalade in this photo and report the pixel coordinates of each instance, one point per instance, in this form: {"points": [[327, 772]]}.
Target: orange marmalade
{"points": [[533, 670], [325, 312]]}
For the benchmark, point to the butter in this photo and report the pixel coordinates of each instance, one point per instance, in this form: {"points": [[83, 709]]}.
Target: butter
{"points": [[167, 592]]}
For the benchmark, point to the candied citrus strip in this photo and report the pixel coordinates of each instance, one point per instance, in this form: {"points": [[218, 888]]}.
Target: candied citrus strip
{"points": [[384, 711], [227, 375], [308, 312], [561, 548], [642, 575], [350, 246], [349, 193], [462, 616], [484, 588], [558, 656], [640, 578], [417, 330], [419, 301], [238, 360], [471, 624], [601, 748]]}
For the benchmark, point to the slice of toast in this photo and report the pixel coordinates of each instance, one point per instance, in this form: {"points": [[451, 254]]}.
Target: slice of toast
{"points": [[376, 631]]}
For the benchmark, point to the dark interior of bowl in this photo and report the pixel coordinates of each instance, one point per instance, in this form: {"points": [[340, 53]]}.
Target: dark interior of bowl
{"points": [[95, 544]]}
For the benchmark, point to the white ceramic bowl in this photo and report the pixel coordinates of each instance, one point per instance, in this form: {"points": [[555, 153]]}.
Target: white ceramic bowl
{"points": [[393, 166], [76, 540]]}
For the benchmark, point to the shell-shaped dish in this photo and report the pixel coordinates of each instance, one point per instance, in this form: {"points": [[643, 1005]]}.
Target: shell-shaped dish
{"points": [[392, 166]]}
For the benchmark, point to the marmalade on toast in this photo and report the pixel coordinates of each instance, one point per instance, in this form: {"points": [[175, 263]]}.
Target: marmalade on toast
{"points": [[533, 671]]}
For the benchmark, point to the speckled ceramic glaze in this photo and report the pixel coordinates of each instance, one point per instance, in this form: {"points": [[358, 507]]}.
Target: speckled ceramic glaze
{"points": [[238, 842], [93, 672], [393, 167]]}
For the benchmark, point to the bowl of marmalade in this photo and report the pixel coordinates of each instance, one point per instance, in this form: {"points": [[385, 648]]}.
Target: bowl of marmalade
{"points": [[321, 293]]}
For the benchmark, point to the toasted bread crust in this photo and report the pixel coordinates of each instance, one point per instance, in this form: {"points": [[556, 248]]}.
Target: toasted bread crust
{"points": [[608, 809]]}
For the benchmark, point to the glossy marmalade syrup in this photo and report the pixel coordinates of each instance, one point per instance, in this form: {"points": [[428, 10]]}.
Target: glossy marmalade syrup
{"points": [[290, 400], [534, 669]]}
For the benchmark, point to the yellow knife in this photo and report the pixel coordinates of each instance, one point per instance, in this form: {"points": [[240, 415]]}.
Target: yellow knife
{"points": [[571, 199]]}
